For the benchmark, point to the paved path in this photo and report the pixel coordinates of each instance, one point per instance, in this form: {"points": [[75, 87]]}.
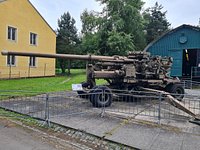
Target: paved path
{"points": [[138, 135], [14, 137], [192, 91], [155, 138]]}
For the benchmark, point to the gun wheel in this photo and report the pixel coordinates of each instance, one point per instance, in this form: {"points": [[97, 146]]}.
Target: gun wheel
{"points": [[101, 96], [176, 90]]}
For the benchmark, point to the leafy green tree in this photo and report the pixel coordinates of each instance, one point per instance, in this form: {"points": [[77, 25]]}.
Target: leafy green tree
{"points": [[120, 43], [90, 22], [89, 32], [156, 22], [117, 29], [67, 39]]}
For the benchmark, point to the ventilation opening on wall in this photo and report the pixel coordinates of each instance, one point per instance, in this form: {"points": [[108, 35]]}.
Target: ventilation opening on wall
{"points": [[189, 61]]}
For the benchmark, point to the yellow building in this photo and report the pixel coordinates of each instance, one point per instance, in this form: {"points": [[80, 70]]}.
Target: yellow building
{"points": [[23, 29]]}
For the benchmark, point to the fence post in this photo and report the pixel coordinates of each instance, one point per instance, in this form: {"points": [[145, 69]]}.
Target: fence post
{"points": [[45, 67], [10, 71], [103, 107], [47, 121], [29, 70], [159, 108], [191, 76], [199, 104], [184, 84]]}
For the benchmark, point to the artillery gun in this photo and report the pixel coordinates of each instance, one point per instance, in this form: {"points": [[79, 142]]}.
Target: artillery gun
{"points": [[134, 72], [137, 71]]}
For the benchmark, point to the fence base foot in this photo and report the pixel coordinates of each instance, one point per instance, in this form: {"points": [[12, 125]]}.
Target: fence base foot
{"points": [[102, 114], [47, 122]]}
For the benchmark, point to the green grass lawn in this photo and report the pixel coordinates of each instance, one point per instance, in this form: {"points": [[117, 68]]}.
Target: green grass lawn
{"points": [[44, 85], [48, 84]]}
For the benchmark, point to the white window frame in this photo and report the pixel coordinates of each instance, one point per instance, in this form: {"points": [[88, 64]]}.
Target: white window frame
{"points": [[33, 40], [32, 61], [9, 60], [10, 35]]}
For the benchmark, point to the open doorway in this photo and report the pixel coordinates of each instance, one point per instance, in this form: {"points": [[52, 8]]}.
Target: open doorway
{"points": [[189, 61]]}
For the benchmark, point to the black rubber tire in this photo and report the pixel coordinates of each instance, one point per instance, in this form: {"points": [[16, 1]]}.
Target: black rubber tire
{"points": [[91, 92], [96, 96], [177, 90]]}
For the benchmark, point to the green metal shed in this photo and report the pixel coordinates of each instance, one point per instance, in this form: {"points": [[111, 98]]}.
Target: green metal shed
{"points": [[181, 43]]}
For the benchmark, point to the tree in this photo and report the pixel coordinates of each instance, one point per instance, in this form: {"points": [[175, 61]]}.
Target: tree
{"points": [[117, 29], [89, 32], [124, 16], [156, 22], [67, 39]]}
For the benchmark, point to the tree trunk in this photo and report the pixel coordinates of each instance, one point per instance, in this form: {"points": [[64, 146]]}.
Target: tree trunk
{"points": [[69, 67], [62, 68]]}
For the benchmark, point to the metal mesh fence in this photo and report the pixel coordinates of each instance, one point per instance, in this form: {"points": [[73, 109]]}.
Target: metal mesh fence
{"points": [[62, 106], [33, 105], [190, 84], [25, 71], [67, 104]]}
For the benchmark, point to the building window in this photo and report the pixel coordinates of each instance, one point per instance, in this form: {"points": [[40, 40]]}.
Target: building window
{"points": [[11, 60], [33, 39], [32, 62], [12, 33]]}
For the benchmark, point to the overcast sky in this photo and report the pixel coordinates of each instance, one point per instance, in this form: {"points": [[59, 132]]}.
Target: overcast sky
{"points": [[178, 11]]}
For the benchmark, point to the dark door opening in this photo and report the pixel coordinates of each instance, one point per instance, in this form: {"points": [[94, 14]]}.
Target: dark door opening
{"points": [[189, 61]]}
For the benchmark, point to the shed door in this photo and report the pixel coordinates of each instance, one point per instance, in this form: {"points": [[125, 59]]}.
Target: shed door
{"points": [[176, 69]]}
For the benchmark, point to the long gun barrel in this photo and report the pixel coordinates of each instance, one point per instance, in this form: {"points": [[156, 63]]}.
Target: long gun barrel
{"points": [[71, 56]]}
